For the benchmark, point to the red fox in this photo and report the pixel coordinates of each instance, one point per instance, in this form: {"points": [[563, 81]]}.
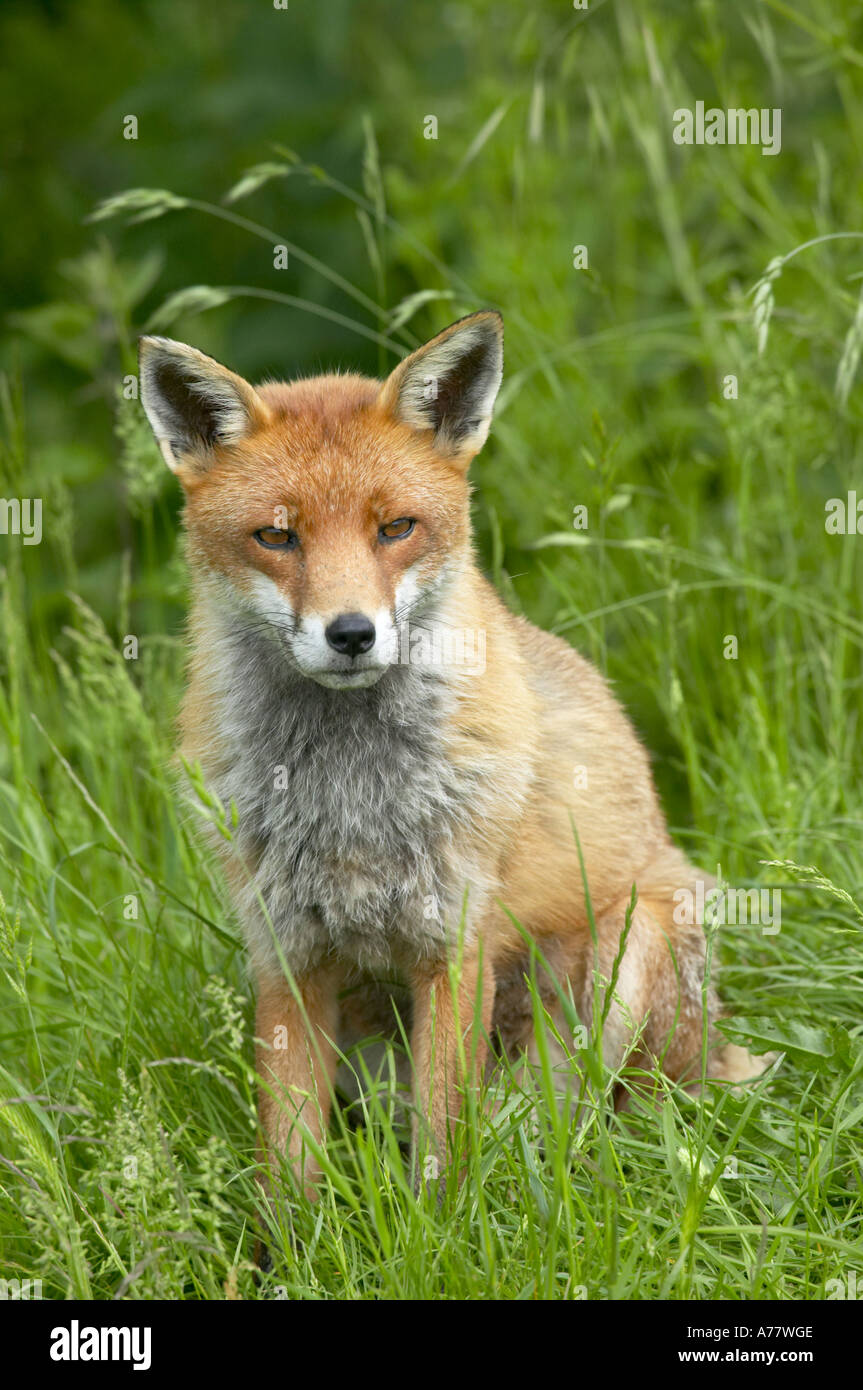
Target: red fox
{"points": [[403, 800]]}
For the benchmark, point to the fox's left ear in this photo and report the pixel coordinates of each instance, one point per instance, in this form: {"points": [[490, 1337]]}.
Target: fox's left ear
{"points": [[193, 403], [449, 385]]}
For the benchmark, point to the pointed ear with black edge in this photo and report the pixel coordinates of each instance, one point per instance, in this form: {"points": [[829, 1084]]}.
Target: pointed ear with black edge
{"points": [[193, 403], [449, 385]]}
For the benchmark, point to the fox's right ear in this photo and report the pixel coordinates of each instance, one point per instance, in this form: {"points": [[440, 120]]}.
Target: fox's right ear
{"points": [[193, 403]]}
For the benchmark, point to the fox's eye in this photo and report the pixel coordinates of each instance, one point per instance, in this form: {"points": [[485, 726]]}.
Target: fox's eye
{"points": [[395, 530], [273, 539]]}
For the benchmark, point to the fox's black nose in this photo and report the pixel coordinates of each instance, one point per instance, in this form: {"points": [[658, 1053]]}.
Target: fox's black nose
{"points": [[350, 634]]}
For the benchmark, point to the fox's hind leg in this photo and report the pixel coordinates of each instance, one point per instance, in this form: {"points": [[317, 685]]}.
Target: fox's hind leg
{"points": [[657, 1014]]}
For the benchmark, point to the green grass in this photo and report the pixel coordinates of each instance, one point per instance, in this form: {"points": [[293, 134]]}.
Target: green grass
{"points": [[127, 1125]]}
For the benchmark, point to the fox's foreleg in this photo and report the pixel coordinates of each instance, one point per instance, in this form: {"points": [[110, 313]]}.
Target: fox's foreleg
{"points": [[453, 1003], [296, 1063]]}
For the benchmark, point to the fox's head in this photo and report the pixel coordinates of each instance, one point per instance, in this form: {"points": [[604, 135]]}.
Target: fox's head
{"points": [[334, 510]]}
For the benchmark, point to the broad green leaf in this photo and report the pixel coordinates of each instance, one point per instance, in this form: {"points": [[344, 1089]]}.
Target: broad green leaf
{"points": [[762, 1034]]}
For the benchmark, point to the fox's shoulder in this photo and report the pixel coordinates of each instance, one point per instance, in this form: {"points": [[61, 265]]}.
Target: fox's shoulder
{"points": [[544, 657], [567, 684], [551, 656]]}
